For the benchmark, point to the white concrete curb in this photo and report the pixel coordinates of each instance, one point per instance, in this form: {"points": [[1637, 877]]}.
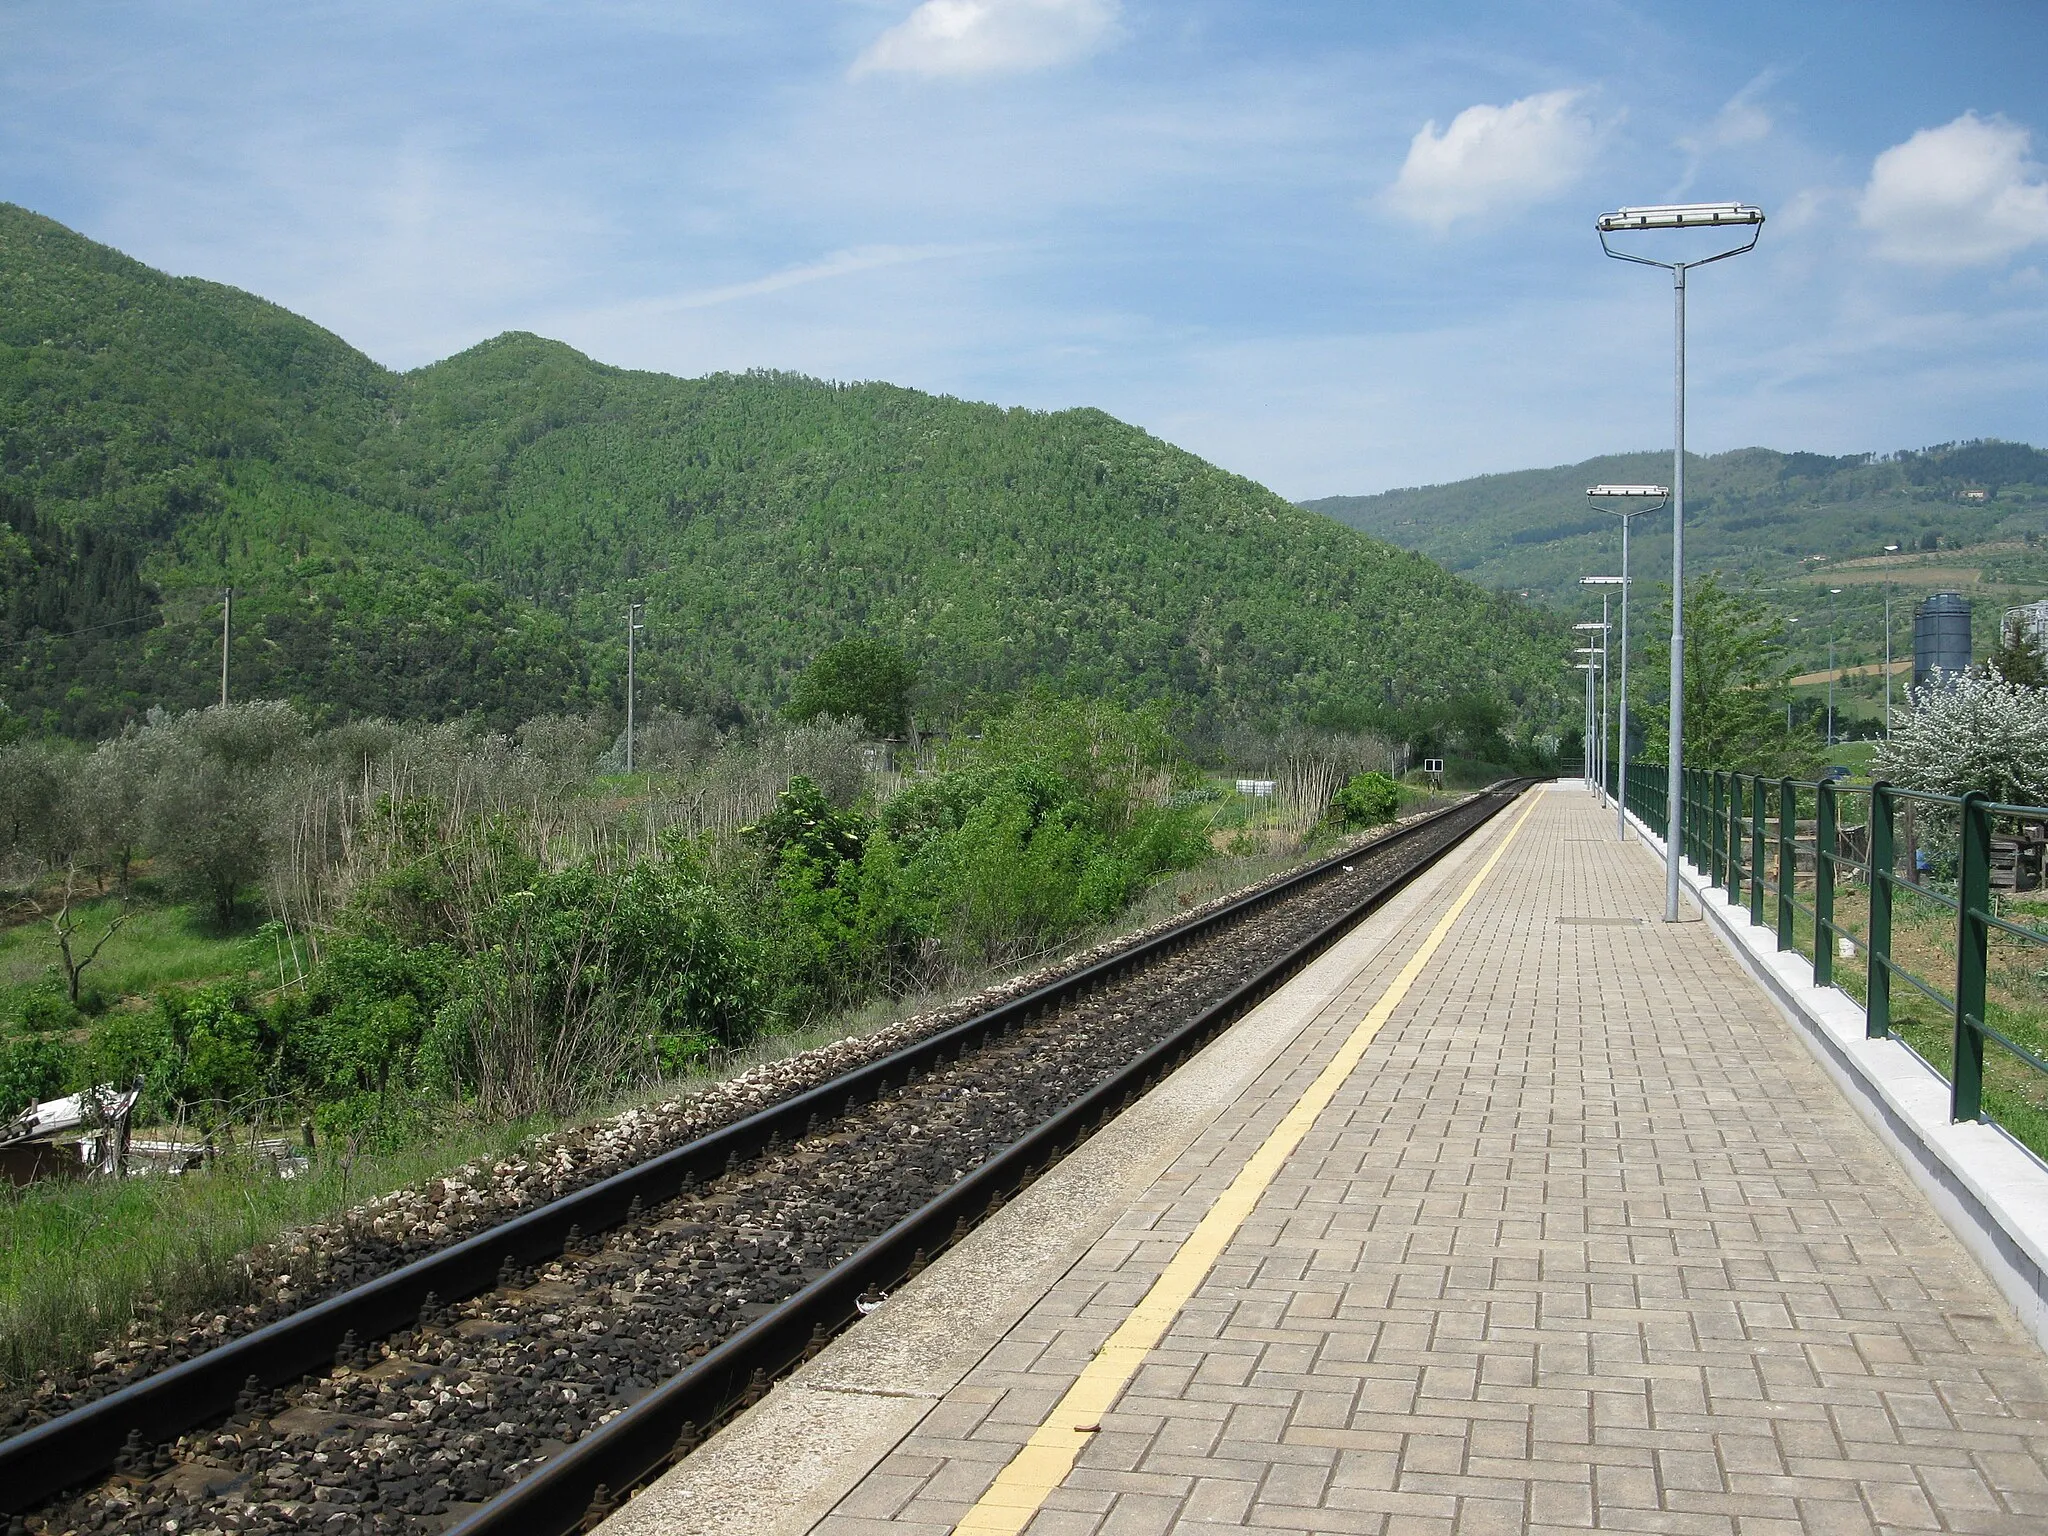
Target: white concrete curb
{"points": [[1991, 1190]]}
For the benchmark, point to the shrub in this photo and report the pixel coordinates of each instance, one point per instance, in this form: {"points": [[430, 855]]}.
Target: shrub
{"points": [[127, 1047], [1368, 800], [47, 1010], [34, 1068]]}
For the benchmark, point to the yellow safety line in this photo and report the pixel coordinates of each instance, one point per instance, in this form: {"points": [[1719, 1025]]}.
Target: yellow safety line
{"points": [[1049, 1455]]}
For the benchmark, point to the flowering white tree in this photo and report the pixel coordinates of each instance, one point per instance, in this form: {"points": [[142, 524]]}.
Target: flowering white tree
{"points": [[1976, 731]]}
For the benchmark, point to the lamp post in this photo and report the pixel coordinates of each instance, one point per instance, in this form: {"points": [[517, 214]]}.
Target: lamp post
{"points": [[1598, 761], [1586, 757], [1889, 551], [633, 628], [1833, 593], [1604, 626], [1629, 221], [1628, 502]]}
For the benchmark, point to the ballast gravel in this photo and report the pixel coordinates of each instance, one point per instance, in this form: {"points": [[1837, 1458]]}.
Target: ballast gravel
{"points": [[408, 1434]]}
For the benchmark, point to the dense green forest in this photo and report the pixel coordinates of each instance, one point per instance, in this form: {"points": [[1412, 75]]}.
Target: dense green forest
{"points": [[464, 539]]}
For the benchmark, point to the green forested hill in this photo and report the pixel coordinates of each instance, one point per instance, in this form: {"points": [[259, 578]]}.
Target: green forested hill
{"points": [[1754, 513], [465, 537], [1969, 517]]}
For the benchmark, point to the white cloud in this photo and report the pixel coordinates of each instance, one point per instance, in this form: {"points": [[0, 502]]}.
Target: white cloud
{"points": [[986, 37], [1493, 158], [1958, 195]]}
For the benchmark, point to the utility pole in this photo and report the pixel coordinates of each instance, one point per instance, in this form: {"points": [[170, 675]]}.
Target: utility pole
{"points": [[1889, 551], [632, 630], [227, 619]]}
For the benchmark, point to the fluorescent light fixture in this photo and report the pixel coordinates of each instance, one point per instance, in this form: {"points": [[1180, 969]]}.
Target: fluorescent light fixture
{"points": [[1601, 581], [1679, 216], [1630, 492]]}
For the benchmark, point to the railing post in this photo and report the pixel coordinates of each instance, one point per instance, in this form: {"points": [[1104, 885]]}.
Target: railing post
{"points": [[1683, 831], [1696, 819], [1973, 937], [1757, 867], [1735, 839], [1717, 827], [1824, 884], [1877, 938], [1731, 836], [1788, 858]]}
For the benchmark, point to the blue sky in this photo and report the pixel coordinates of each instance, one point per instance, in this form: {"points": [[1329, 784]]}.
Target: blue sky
{"points": [[1334, 247]]}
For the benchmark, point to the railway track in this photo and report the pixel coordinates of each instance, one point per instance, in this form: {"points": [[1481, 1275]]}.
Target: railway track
{"points": [[522, 1379]]}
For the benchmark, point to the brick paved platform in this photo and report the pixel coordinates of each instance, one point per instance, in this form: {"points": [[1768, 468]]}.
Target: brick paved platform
{"points": [[1587, 1242]]}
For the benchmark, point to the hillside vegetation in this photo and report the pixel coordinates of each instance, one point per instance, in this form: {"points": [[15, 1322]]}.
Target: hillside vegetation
{"points": [[1751, 513], [464, 539], [1968, 517]]}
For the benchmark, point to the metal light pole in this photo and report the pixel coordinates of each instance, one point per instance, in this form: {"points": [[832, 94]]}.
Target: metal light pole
{"points": [[1587, 759], [1889, 551], [1678, 216], [1833, 593], [632, 629], [1602, 693], [1628, 502], [1596, 771]]}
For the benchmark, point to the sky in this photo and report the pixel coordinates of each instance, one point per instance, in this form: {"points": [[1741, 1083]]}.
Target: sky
{"points": [[1337, 248]]}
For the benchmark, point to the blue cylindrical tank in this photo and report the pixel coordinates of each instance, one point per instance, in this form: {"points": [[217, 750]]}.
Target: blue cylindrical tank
{"points": [[1941, 637]]}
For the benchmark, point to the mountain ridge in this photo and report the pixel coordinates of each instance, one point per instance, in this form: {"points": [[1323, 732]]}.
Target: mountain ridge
{"points": [[463, 538]]}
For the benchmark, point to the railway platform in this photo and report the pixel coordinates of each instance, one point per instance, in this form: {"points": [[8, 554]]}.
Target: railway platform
{"points": [[1517, 1211]]}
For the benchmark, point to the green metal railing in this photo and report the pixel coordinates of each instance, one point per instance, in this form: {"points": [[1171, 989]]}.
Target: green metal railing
{"points": [[1791, 851]]}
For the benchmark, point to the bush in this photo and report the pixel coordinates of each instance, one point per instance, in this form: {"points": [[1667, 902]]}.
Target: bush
{"points": [[128, 1047], [34, 1068], [47, 1010], [1368, 800]]}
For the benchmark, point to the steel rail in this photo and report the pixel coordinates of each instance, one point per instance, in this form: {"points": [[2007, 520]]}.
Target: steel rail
{"points": [[562, 1494], [67, 1452]]}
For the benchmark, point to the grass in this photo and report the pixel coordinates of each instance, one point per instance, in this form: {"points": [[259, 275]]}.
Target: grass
{"points": [[159, 946], [80, 1262], [1854, 756]]}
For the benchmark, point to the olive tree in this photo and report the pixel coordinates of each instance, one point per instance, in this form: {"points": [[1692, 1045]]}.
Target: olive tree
{"points": [[1974, 731], [209, 805], [39, 810]]}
